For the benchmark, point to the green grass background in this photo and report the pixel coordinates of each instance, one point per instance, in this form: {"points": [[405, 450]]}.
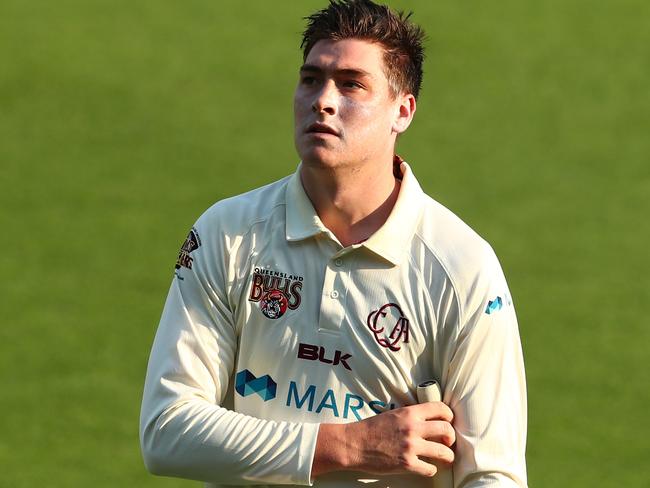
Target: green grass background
{"points": [[121, 121]]}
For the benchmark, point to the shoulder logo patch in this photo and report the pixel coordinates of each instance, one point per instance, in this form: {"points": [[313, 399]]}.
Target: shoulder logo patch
{"points": [[494, 305], [192, 242], [503, 300]]}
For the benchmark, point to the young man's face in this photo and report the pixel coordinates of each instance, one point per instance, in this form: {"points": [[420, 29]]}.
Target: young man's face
{"points": [[343, 109]]}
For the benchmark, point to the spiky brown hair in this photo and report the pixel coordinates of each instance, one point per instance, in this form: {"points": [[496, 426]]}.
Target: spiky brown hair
{"points": [[363, 19]]}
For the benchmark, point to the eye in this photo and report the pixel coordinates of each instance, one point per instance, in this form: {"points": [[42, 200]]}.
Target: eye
{"points": [[352, 85], [307, 80]]}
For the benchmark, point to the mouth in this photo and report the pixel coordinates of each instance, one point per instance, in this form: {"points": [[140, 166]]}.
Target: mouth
{"points": [[319, 128]]}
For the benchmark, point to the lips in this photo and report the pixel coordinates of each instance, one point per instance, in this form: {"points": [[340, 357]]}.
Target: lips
{"points": [[319, 128]]}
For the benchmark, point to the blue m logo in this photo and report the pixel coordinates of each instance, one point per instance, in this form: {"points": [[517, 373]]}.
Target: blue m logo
{"points": [[494, 305], [246, 384]]}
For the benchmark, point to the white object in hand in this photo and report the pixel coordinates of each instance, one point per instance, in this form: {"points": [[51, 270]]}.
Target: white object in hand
{"points": [[429, 391]]}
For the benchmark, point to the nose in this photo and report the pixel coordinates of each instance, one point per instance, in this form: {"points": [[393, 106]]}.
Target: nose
{"points": [[325, 99]]}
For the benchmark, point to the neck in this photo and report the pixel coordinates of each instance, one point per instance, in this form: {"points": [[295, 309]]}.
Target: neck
{"points": [[354, 202]]}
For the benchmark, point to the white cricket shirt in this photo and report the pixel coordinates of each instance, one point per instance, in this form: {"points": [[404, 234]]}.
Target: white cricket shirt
{"points": [[272, 327]]}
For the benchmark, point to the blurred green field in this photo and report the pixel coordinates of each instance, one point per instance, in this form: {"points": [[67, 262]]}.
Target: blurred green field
{"points": [[121, 121]]}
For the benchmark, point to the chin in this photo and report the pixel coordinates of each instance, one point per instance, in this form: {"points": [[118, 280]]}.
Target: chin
{"points": [[319, 157]]}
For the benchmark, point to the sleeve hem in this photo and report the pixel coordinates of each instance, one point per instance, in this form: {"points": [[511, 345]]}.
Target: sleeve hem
{"points": [[307, 452]]}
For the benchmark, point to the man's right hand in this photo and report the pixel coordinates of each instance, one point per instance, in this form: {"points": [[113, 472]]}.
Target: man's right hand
{"points": [[410, 439]]}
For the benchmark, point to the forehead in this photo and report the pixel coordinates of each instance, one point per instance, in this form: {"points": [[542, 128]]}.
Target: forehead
{"points": [[348, 54]]}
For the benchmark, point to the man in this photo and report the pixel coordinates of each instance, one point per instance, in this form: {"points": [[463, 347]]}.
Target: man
{"points": [[304, 314]]}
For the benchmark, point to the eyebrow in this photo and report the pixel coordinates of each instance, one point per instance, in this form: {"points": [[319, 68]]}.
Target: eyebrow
{"points": [[311, 68]]}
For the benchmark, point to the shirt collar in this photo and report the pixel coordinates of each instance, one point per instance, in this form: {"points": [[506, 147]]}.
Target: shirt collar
{"points": [[391, 241], [302, 219]]}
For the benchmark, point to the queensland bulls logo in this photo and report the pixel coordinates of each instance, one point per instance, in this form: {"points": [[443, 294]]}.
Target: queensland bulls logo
{"points": [[274, 304], [389, 326], [275, 291]]}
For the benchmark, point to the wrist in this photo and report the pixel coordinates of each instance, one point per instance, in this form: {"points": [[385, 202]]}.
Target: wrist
{"points": [[332, 449]]}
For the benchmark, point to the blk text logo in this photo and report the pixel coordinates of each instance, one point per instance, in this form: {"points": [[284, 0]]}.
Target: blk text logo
{"points": [[311, 352], [389, 326]]}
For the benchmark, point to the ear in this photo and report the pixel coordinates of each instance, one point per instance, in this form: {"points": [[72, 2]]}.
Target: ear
{"points": [[405, 111]]}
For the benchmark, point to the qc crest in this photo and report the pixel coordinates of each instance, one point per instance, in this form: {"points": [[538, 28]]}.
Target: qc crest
{"points": [[389, 326]]}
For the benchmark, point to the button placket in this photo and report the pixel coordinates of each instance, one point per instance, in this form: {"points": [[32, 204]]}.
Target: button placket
{"points": [[332, 310]]}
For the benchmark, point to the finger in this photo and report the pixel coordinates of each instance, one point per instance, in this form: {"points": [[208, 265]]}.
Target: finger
{"points": [[439, 431], [423, 468], [433, 411], [439, 453]]}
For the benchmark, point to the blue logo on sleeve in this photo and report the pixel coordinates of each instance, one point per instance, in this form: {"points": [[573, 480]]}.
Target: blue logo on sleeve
{"points": [[246, 384], [494, 305]]}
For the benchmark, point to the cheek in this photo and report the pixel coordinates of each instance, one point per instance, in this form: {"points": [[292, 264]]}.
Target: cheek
{"points": [[300, 104], [370, 119]]}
